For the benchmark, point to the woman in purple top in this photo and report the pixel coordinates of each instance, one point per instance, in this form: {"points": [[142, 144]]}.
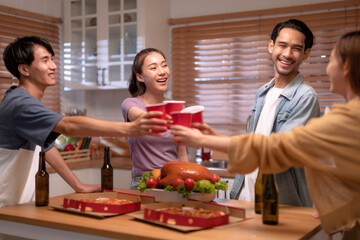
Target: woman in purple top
{"points": [[148, 83]]}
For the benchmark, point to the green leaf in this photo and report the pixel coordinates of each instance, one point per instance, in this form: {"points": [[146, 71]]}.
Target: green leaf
{"points": [[182, 190], [169, 188], [142, 183], [204, 186], [221, 185]]}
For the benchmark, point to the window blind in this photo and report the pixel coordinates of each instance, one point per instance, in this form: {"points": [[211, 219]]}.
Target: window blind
{"points": [[222, 61], [17, 23]]}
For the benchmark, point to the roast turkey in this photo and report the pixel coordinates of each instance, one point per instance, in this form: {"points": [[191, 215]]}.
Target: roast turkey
{"points": [[173, 170]]}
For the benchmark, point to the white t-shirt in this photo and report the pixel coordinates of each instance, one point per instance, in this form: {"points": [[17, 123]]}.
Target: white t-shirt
{"points": [[264, 126]]}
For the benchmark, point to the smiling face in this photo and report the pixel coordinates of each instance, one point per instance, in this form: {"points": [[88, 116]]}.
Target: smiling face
{"points": [[288, 52], [155, 73], [41, 72]]}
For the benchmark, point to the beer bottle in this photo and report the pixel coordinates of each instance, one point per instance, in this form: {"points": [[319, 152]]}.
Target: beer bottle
{"points": [[270, 208], [106, 172], [42, 183], [259, 185]]}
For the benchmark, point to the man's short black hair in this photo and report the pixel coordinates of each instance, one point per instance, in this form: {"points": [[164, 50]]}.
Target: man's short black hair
{"points": [[21, 51], [297, 25]]}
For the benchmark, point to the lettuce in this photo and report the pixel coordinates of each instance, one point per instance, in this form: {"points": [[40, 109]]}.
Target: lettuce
{"points": [[169, 188], [204, 186], [201, 186], [221, 185], [142, 183], [182, 190]]}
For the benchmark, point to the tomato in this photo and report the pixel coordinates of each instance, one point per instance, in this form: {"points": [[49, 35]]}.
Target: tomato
{"points": [[216, 178], [176, 183], [189, 184], [151, 183], [69, 147]]}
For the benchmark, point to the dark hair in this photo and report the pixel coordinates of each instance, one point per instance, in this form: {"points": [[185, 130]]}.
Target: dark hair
{"points": [[21, 51], [297, 25], [137, 88], [348, 49]]}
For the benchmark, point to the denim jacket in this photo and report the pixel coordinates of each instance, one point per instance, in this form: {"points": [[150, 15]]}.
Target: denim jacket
{"points": [[298, 103]]}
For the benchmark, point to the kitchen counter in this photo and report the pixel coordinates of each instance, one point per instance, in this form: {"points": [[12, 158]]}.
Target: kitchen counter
{"points": [[27, 220], [122, 163]]}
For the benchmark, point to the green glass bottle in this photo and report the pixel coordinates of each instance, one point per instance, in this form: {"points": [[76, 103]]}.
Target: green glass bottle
{"points": [[270, 199], [106, 172], [42, 183], [258, 192]]}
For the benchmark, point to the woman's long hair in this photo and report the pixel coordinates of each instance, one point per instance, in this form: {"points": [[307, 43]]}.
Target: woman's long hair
{"points": [[348, 49]]}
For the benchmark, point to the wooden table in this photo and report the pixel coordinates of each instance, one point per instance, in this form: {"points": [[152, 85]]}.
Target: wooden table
{"points": [[27, 220]]}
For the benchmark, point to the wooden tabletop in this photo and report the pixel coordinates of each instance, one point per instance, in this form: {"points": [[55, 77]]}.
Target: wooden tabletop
{"points": [[294, 223]]}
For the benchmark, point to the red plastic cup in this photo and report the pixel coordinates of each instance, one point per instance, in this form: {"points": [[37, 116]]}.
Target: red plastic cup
{"points": [[158, 107], [196, 113], [183, 119], [197, 117], [173, 106]]}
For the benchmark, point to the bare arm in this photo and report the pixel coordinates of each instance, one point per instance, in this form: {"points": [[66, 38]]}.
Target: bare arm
{"points": [[84, 126], [55, 160], [134, 113], [207, 129], [194, 138], [182, 153]]}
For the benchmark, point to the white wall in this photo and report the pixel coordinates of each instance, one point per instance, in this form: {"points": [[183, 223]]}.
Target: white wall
{"points": [[106, 105], [156, 29], [122, 179], [191, 8]]}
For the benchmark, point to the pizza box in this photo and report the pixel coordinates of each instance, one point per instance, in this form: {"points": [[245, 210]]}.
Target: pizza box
{"points": [[151, 214], [76, 203], [145, 199], [167, 196]]}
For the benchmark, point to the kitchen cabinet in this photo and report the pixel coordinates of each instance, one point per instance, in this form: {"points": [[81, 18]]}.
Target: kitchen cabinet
{"points": [[100, 43]]}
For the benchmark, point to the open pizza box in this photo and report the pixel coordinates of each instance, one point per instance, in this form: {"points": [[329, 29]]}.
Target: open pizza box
{"points": [[145, 199], [153, 213], [102, 204]]}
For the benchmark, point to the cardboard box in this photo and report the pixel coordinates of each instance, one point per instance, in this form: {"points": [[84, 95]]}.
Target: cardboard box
{"points": [[145, 199], [166, 196], [188, 223], [73, 203]]}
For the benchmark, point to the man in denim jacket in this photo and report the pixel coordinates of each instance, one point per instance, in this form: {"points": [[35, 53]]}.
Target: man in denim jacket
{"points": [[283, 103]]}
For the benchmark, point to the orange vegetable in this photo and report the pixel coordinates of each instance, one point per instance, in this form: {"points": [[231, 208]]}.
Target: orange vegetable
{"points": [[156, 173]]}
